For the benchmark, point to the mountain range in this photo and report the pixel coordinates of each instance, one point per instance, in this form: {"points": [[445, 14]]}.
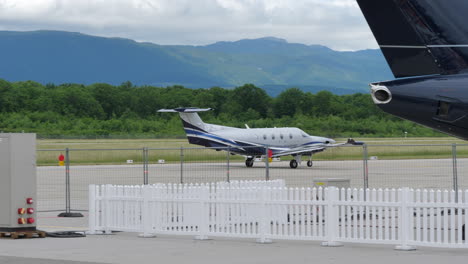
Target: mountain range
{"points": [[271, 63]]}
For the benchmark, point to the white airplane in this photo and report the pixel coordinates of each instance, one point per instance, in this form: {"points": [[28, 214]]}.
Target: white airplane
{"points": [[253, 142]]}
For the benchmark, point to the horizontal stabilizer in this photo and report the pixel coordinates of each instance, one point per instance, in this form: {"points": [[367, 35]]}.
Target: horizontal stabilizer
{"points": [[184, 110]]}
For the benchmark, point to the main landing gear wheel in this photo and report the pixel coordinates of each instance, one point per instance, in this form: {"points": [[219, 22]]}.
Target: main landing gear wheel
{"points": [[249, 163], [309, 163], [293, 164]]}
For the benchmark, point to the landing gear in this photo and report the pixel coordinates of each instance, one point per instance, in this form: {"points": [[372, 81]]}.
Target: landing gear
{"points": [[309, 163], [249, 162], [293, 164]]}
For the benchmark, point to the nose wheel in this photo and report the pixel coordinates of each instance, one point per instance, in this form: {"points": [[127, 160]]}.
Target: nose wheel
{"points": [[249, 163], [293, 164], [309, 163]]}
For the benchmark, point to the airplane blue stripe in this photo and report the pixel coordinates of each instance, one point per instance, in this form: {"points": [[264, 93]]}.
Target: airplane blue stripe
{"points": [[249, 148], [313, 142]]}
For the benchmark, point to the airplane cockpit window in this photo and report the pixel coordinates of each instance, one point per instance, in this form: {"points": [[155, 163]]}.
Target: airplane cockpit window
{"points": [[304, 134]]}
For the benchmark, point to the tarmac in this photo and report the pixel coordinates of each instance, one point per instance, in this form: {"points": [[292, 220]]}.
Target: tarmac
{"points": [[129, 248]]}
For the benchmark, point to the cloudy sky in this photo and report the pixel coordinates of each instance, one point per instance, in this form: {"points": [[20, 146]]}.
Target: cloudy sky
{"points": [[338, 24]]}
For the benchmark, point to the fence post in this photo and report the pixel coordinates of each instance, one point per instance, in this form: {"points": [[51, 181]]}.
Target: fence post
{"points": [[455, 171], [146, 213], [158, 211], [68, 212], [365, 158], [181, 165], [228, 164], [204, 223], [263, 220], [404, 221], [267, 164], [331, 223], [92, 210], [106, 216], [145, 166], [67, 180]]}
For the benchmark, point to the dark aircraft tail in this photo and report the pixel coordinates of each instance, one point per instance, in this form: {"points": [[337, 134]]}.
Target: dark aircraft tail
{"points": [[420, 37]]}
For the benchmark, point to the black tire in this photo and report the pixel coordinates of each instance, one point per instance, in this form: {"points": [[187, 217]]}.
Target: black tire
{"points": [[249, 163], [293, 164], [309, 163]]}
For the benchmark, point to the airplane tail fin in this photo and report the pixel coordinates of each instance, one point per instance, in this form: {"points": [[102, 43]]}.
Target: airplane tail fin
{"points": [[190, 118], [420, 37]]}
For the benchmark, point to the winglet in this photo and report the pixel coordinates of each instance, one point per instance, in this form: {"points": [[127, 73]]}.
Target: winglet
{"points": [[351, 141], [184, 110]]}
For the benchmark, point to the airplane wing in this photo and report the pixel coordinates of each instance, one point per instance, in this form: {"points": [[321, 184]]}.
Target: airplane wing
{"points": [[297, 151], [308, 150]]}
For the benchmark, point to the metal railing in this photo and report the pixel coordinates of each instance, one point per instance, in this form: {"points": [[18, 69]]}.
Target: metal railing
{"points": [[65, 188]]}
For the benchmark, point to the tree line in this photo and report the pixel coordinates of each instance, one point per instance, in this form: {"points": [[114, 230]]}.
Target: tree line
{"points": [[106, 110]]}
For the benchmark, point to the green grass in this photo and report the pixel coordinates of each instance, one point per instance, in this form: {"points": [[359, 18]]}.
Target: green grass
{"points": [[118, 151]]}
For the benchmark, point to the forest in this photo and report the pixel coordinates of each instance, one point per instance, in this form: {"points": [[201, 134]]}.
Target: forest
{"points": [[127, 111]]}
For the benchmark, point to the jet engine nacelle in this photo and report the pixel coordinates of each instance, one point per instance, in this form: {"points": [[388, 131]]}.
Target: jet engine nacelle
{"points": [[380, 94]]}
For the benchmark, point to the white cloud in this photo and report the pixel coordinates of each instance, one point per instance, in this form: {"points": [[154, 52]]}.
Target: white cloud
{"points": [[338, 24]]}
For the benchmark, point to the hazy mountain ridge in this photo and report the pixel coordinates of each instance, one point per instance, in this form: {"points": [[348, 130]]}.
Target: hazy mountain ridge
{"points": [[67, 57]]}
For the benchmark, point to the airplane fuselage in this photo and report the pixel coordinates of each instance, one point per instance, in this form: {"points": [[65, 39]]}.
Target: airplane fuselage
{"points": [[438, 102], [254, 141], [426, 43]]}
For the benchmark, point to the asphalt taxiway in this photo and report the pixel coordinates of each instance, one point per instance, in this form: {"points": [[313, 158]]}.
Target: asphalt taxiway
{"points": [[128, 248]]}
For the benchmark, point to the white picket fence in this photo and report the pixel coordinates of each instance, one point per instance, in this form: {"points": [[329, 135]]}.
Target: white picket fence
{"points": [[269, 210]]}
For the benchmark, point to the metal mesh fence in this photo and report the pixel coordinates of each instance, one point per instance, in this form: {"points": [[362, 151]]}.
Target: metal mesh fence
{"points": [[186, 165], [396, 166], [50, 181], [116, 166], [462, 166], [337, 163], [373, 166]]}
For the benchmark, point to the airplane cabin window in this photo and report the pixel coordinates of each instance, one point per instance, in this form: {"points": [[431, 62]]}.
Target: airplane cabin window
{"points": [[272, 136], [290, 136], [281, 136], [264, 137]]}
